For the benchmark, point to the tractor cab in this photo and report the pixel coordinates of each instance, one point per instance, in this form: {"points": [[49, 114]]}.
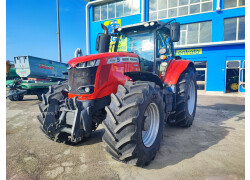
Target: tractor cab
{"points": [[151, 41]]}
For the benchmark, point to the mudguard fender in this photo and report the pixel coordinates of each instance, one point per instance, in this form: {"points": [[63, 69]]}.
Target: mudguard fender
{"points": [[174, 70]]}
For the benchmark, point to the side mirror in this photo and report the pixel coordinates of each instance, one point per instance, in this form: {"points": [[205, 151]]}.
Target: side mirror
{"points": [[175, 32]]}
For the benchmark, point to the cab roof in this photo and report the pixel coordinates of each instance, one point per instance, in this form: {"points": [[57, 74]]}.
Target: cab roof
{"points": [[150, 25]]}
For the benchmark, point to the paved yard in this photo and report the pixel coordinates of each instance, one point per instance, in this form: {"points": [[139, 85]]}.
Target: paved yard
{"points": [[213, 148]]}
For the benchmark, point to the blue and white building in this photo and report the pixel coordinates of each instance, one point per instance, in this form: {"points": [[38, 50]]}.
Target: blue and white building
{"points": [[212, 34]]}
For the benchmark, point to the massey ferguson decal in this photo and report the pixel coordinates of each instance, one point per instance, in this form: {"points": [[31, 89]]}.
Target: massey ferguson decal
{"points": [[45, 66], [122, 59]]}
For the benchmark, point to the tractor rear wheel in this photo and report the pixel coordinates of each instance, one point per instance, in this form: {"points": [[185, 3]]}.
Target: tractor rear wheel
{"points": [[134, 122], [186, 99]]}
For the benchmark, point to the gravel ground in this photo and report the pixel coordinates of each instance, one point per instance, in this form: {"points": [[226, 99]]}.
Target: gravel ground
{"points": [[213, 148]]}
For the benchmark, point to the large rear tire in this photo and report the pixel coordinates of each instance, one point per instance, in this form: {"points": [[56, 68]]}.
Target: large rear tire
{"points": [[186, 99], [134, 122]]}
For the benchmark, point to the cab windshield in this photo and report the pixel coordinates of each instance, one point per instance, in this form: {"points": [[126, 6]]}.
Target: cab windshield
{"points": [[142, 44]]}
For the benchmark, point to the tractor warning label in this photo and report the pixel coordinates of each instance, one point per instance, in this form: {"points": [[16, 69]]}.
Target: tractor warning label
{"points": [[188, 52]]}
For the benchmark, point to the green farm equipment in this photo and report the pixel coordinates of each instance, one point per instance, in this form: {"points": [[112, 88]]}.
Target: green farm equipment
{"points": [[34, 76], [10, 73]]}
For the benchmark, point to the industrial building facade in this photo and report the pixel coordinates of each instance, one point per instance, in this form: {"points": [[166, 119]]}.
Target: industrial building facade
{"points": [[212, 34]]}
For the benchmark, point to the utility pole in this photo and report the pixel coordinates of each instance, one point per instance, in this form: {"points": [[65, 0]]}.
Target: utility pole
{"points": [[58, 32]]}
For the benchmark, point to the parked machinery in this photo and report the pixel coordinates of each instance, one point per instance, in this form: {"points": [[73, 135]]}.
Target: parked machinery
{"points": [[10, 73], [35, 75], [131, 91]]}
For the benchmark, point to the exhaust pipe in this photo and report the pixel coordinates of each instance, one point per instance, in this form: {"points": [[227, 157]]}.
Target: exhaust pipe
{"points": [[105, 29], [103, 41]]}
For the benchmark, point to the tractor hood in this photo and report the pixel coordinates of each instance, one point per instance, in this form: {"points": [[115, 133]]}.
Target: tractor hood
{"points": [[75, 61]]}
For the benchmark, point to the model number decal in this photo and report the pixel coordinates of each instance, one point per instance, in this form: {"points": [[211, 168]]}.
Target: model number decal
{"points": [[122, 59]]}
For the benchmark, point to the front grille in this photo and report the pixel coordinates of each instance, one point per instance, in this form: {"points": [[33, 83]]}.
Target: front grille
{"points": [[81, 77]]}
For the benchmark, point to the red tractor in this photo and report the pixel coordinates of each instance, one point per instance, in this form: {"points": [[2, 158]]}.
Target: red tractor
{"points": [[132, 91]]}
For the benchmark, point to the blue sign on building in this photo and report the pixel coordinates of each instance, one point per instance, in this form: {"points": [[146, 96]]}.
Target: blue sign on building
{"points": [[212, 34]]}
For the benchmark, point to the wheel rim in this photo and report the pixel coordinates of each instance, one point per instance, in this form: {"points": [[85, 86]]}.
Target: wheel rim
{"points": [[150, 125], [191, 97]]}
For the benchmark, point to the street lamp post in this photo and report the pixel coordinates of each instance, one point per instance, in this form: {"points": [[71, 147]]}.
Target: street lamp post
{"points": [[58, 32]]}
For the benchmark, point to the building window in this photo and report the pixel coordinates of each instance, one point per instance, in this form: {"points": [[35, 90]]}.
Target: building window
{"points": [[242, 75], [195, 33], [233, 3], [234, 29], [111, 10], [162, 9], [116, 9], [97, 13], [104, 12], [201, 75]]}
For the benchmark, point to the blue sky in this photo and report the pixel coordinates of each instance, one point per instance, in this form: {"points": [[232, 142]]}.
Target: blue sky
{"points": [[31, 27]]}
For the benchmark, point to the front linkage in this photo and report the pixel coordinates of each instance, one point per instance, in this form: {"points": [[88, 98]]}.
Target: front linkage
{"points": [[65, 119], [55, 128]]}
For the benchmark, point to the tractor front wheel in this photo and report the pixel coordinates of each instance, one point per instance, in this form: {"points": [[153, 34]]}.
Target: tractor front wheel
{"points": [[55, 93], [134, 122], [186, 99]]}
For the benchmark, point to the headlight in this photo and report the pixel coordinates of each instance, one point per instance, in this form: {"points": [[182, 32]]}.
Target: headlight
{"points": [[152, 23], [164, 64], [86, 89], [88, 64], [162, 51], [91, 63], [81, 65], [146, 24]]}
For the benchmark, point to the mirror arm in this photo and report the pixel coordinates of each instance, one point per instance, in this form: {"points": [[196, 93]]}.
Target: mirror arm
{"points": [[163, 25]]}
